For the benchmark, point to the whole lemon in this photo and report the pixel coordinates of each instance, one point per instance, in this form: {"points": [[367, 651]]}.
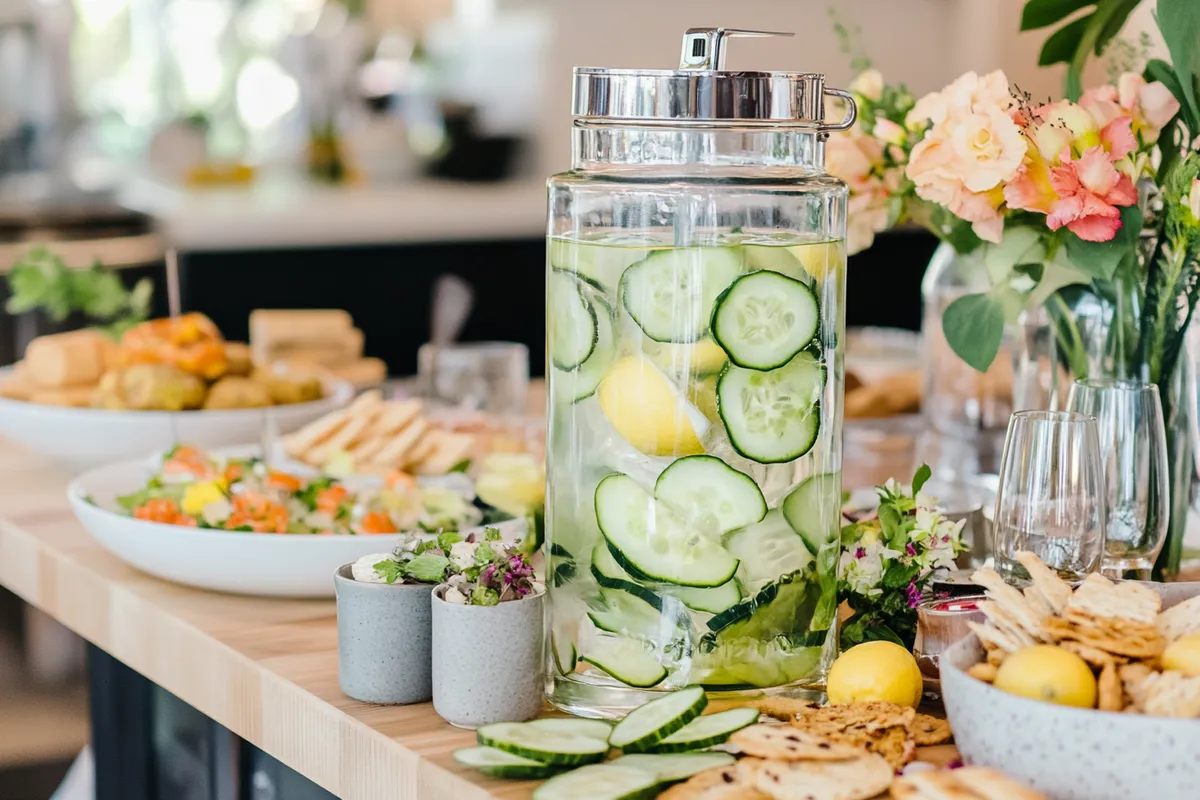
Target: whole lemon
{"points": [[881, 671], [1048, 673], [1183, 655], [648, 411]]}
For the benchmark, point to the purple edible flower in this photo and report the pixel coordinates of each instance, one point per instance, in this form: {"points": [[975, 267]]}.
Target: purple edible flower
{"points": [[956, 764], [909, 549], [913, 595], [489, 571], [860, 553]]}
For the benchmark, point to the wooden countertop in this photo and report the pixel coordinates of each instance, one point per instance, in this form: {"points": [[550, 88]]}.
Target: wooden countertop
{"points": [[265, 669]]}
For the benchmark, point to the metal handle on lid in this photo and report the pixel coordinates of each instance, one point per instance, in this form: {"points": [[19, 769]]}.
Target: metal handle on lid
{"points": [[704, 48], [851, 112]]}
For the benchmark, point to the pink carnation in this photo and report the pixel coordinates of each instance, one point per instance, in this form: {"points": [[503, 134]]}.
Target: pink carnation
{"points": [[1150, 106]]}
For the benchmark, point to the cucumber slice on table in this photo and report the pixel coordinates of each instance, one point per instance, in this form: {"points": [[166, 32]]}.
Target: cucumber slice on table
{"points": [[766, 550], [707, 731], [651, 542], [548, 747], [711, 494], [600, 265], [609, 574], [571, 324], [764, 319], [600, 782], [587, 377], [670, 294], [627, 660], [576, 726], [500, 764], [654, 721], [624, 612], [672, 768], [772, 417], [814, 509]]}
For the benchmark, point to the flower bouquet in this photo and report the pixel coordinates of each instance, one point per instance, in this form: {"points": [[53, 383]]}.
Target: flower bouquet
{"points": [[887, 563], [1087, 207]]}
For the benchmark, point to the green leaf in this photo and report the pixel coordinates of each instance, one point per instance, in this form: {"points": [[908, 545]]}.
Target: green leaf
{"points": [[428, 568], [974, 325], [462, 466], [1020, 245], [447, 540], [882, 633], [889, 520], [1089, 40], [1114, 24], [1179, 22], [1061, 45], [924, 473], [899, 576], [1040, 13], [389, 570], [483, 596], [1101, 259], [1054, 275]]}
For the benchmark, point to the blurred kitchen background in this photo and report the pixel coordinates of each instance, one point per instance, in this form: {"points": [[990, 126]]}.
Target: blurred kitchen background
{"points": [[348, 154]]}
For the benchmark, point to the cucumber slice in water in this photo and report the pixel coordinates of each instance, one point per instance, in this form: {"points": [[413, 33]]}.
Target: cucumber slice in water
{"points": [[565, 655], [575, 726], [548, 747], [500, 764], [600, 782], [671, 293], [600, 265], [624, 612], [654, 721], [627, 660], [586, 379], [672, 768], [707, 731], [609, 574], [767, 550], [572, 331], [713, 495], [814, 509], [651, 542], [764, 319], [772, 417]]}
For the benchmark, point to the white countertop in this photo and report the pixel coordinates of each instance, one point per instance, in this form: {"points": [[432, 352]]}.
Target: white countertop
{"points": [[280, 213]]}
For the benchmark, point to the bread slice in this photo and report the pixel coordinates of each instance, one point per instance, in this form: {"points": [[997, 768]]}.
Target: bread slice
{"points": [[451, 449], [392, 455]]}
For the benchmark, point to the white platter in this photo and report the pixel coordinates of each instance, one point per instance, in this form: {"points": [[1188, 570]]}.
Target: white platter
{"points": [[268, 565], [82, 438]]}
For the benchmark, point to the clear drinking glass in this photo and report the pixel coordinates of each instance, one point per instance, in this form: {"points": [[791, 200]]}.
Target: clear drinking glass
{"points": [[1133, 453], [1051, 498], [476, 376], [696, 334]]}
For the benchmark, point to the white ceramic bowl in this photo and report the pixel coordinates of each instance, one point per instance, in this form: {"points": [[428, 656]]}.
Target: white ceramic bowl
{"points": [[270, 565], [82, 438], [1071, 753]]}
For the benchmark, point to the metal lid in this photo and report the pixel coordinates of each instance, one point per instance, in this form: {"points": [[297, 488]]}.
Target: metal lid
{"points": [[701, 91]]}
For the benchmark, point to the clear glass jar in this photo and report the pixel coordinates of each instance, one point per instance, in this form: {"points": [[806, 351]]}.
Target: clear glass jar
{"points": [[693, 503]]}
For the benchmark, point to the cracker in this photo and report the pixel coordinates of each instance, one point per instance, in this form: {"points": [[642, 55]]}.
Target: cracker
{"points": [[864, 717], [1111, 690], [1098, 597], [1012, 602], [451, 449], [315, 433], [931, 785], [785, 708], [858, 779], [394, 416], [928, 730], [1180, 620], [1111, 634], [1093, 655], [1006, 624], [1171, 694], [1049, 591], [789, 744], [992, 784], [984, 671], [895, 744], [732, 782], [393, 453], [993, 639], [345, 438]]}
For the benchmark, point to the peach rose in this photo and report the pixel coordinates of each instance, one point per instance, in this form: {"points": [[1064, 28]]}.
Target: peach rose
{"points": [[968, 93], [868, 84]]}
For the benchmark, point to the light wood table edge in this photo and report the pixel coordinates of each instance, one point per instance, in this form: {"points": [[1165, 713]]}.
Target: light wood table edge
{"points": [[308, 733]]}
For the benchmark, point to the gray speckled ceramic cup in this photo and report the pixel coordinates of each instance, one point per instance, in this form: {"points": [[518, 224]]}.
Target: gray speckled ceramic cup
{"points": [[383, 640], [488, 661]]}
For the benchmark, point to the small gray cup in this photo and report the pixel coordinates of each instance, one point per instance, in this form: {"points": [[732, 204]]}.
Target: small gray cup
{"points": [[488, 661], [383, 639]]}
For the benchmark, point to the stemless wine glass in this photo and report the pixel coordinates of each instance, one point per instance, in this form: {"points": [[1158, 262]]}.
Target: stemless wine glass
{"points": [[1133, 454], [1051, 497]]}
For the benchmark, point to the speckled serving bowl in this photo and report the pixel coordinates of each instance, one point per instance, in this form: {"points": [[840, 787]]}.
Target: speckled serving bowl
{"points": [[1071, 753]]}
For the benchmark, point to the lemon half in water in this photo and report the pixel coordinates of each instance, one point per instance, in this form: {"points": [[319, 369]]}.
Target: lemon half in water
{"points": [[647, 409]]}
